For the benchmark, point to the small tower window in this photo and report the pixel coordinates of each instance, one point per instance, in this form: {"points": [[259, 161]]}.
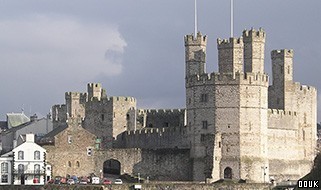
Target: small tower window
{"points": [[204, 124], [204, 98], [102, 117], [202, 137], [77, 164], [69, 164]]}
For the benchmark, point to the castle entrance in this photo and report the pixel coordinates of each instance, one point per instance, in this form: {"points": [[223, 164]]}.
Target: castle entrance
{"points": [[111, 166], [228, 173]]}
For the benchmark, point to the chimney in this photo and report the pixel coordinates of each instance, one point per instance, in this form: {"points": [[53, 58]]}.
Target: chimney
{"points": [[30, 137]]}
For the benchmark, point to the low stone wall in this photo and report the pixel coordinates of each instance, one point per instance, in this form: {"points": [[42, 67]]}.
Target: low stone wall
{"points": [[150, 186]]}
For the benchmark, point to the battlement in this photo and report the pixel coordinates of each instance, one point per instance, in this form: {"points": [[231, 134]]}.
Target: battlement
{"points": [[299, 87], [229, 78], [162, 111], [229, 43], [94, 85], [200, 40], [58, 106], [75, 95], [159, 131], [281, 112], [282, 53], [249, 35], [122, 98]]}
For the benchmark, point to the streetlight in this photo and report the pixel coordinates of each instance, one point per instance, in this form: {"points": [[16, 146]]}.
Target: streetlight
{"points": [[138, 177]]}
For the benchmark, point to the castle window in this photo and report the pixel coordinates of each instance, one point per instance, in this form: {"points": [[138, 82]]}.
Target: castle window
{"points": [[102, 117], [166, 124], [69, 139], [303, 135], [114, 114], [20, 155], [77, 164], [228, 126], [150, 125], [204, 124], [219, 144], [69, 164], [189, 100], [202, 137], [4, 167], [204, 98], [127, 117]]}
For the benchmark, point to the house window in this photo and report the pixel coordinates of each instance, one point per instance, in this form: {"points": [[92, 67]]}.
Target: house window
{"points": [[37, 177], [204, 124], [37, 155], [4, 167], [37, 169], [20, 155], [21, 168], [4, 178], [69, 139], [204, 98], [89, 151]]}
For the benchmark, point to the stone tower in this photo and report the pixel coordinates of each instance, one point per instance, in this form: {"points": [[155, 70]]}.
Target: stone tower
{"points": [[282, 70], [230, 55], [254, 42], [195, 55]]}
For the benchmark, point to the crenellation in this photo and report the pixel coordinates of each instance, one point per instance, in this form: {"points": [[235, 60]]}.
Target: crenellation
{"points": [[229, 43], [282, 53], [253, 33], [199, 40]]}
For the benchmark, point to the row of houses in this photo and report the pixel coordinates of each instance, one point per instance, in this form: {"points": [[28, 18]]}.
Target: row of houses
{"points": [[22, 160]]}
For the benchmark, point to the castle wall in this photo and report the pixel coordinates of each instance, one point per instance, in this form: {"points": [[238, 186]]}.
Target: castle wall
{"points": [[161, 118], [153, 138], [159, 164]]}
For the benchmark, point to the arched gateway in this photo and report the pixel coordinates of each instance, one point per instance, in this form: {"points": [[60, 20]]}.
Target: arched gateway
{"points": [[111, 166]]}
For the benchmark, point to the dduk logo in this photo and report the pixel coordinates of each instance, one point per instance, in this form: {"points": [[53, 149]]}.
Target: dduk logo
{"points": [[308, 183]]}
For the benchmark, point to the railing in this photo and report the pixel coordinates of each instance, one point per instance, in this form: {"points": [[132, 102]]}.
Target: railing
{"points": [[29, 172]]}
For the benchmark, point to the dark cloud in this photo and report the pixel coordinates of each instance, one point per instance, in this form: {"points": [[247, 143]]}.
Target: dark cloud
{"points": [[148, 62]]}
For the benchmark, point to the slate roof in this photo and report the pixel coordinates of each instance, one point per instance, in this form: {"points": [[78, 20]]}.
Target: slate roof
{"points": [[15, 119]]}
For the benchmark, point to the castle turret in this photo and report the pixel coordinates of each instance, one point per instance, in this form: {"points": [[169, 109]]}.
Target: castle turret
{"points": [[282, 70], [94, 90], [195, 54], [254, 42], [230, 55]]}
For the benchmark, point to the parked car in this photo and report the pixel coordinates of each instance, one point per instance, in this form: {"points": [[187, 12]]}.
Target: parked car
{"points": [[83, 181], [118, 181], [95, 180], [71, 181], [106, 181]]}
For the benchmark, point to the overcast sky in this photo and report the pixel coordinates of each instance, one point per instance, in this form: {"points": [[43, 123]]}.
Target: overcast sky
{"points": [[135, 48]]}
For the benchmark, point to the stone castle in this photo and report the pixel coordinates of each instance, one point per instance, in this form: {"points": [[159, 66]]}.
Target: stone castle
{"points": [[235, 125]]}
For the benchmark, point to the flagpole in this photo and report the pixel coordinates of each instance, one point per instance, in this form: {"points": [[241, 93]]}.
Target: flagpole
{"points": [[232, 18], [195, 19]]}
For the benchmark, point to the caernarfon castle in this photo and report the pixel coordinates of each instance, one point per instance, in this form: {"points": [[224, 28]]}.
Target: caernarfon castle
{"points": [[235, 124]]}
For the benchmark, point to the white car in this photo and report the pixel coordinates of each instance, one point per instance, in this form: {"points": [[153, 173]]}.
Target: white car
{"points": [[118, 181]]}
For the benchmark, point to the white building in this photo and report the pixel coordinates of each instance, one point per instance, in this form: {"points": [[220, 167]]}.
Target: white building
{"points": [[6, 169], [29, 163]]}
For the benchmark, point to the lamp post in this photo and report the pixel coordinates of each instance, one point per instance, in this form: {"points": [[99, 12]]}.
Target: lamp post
{"points": [[264, 173], [138, 177]]}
